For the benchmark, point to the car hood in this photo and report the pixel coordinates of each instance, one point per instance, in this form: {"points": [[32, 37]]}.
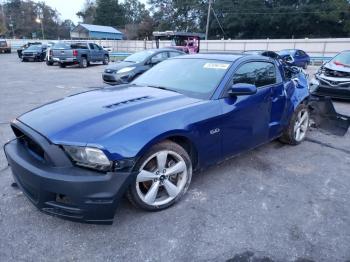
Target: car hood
{"points": [[119, 65], [335, 67], [84, 118]]}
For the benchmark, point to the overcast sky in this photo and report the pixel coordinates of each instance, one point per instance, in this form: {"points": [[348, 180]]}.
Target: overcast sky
{"points": [[68, 8]]}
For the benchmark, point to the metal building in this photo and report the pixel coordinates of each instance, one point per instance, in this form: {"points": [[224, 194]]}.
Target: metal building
{"points": [[86, 31]]}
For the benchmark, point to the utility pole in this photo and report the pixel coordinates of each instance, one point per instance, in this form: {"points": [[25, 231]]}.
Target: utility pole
{"points": [[208, 18]]}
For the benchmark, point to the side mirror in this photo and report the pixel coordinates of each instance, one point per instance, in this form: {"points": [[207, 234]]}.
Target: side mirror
{"points": [[242, 89]]}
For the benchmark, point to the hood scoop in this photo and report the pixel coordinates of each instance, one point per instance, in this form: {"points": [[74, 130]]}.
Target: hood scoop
{"points": [[126, 102]]}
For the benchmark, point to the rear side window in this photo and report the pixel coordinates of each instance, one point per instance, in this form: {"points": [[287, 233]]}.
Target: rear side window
{"points": [[91, 46], [173, 54], [256, 73], [79, 46]]}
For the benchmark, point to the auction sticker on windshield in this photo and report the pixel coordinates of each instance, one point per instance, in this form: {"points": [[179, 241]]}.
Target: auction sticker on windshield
{"points": [[216, 66]]}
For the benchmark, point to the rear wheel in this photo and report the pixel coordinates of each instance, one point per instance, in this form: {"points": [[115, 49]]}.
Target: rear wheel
{"points": [[165, 173], [298, 126], [62, 65], [106, 60], [49, 63], [83, 63]]}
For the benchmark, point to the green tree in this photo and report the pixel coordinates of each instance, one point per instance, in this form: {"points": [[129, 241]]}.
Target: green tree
{"points": [[88, 13], [109, 13], [138, 22]]}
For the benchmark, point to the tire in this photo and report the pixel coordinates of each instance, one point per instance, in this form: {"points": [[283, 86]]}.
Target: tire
{"points": [[62, 65], [298, 126], [23, 59], [106, 60], [49, 63], [162, 181], [83, 63]]}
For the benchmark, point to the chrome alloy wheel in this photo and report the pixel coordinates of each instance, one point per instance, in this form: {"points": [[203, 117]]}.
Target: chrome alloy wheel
{"points": [[301, 125], [162, 177]]}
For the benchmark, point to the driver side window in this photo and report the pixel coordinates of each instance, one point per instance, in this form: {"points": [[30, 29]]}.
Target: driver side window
{"points": [[259, 74]]}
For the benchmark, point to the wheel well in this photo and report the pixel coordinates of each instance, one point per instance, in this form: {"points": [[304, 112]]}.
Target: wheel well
{"points": [[85, 56], [188, 146]]}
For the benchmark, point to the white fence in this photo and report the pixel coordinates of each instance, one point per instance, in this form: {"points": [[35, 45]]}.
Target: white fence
{"points": [[315, 47]]}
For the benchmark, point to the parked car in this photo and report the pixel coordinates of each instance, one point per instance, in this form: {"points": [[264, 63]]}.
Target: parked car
{"points": [[107, 48], [79, 53], [25, 46], [145, 139], [4, 46], [300, 58], [49, 59], [135, 65], [34, 53], [333, 77]]}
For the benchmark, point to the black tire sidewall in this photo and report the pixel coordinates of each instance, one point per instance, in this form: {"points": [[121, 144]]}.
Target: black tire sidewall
{"points": [[166, 145]]}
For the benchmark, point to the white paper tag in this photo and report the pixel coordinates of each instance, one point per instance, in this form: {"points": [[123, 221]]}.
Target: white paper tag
{"points": [[216, 66]]}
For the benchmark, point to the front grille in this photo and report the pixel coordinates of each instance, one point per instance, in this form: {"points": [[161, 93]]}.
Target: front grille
{"points": [[335, 73], [28, 54], [29, 143]]}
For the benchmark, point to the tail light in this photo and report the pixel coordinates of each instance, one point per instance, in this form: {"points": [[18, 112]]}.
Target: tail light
{"points": [[75, 52]]}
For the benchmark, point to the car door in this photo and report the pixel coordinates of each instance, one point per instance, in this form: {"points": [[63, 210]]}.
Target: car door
{"points": [[245, 121], [93, 55], [99, 53]]}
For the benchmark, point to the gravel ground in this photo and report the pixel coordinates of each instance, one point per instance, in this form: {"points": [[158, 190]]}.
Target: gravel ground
{"points": [[275, 203]]}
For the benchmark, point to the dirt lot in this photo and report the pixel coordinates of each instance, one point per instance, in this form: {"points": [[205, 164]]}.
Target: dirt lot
{"points": [[275, 203]]}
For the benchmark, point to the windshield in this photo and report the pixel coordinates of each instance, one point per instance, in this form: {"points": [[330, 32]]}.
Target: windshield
{"points": [[342, 58], [196, 78], [287, 52], [34, 47], [139, 56]]}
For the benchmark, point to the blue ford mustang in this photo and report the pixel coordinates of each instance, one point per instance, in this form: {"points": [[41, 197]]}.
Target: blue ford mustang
{"points": [[76, 157]]}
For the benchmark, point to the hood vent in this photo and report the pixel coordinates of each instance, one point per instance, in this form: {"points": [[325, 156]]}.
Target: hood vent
{"points": [[134, 100]]}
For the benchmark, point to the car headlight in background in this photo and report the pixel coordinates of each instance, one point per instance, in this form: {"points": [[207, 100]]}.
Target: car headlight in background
{"points": [[88, 157], [125, 70]]}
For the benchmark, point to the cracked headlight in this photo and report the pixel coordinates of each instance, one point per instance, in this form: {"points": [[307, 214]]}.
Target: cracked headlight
{"points": [[88, 157]]}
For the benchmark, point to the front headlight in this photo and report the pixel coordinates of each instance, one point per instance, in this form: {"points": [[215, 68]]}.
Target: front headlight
{"points": [[88, 157], [125, 70]]}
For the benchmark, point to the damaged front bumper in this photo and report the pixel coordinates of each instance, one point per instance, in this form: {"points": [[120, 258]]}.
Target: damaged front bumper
{"points": [[335, 87]]}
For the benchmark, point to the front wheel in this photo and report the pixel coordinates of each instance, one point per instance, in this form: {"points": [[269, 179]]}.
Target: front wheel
{"points": [[62, 65], [298, 126], [164, 176], [106, 60]]}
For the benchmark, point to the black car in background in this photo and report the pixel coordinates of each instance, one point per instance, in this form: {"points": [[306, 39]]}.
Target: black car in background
{"points": [[134, 65], [34, 53], [23, 47]]}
